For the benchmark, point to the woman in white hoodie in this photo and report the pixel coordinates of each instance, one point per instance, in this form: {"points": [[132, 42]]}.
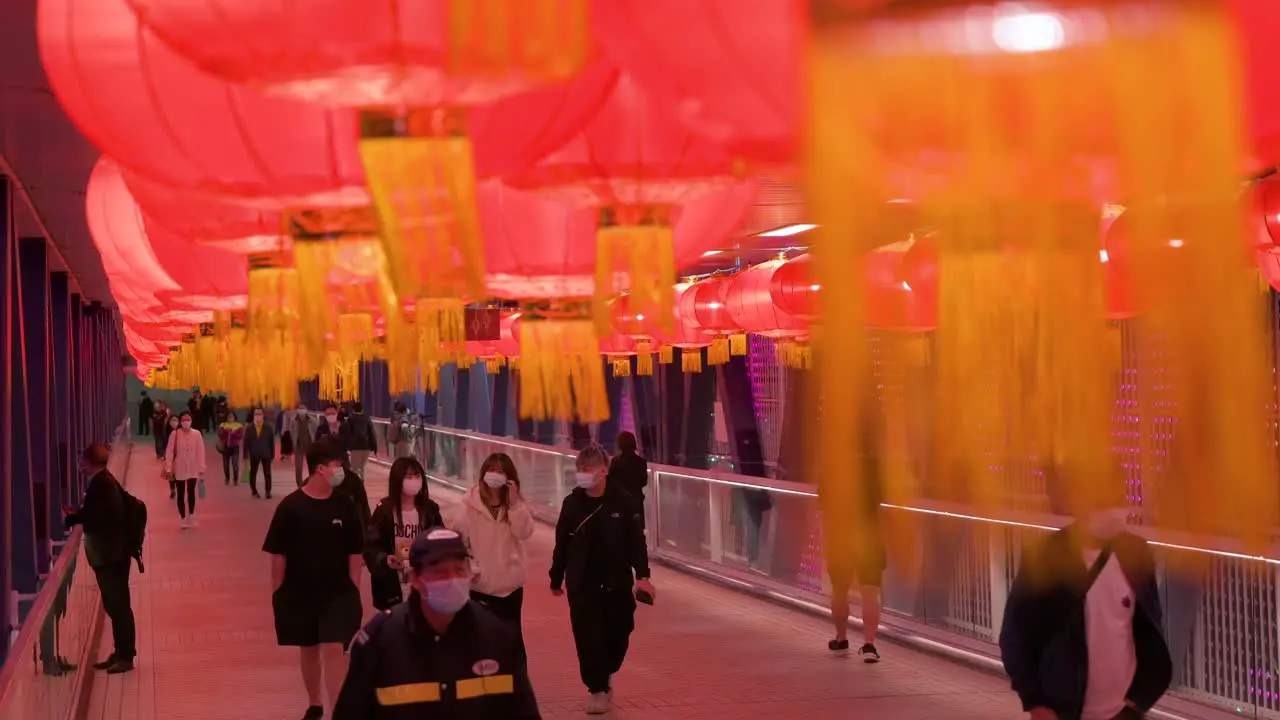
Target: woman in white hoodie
{"points": [[184, 466], [494, 521]]}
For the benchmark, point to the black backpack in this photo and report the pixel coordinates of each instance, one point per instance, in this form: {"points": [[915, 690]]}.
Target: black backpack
{"points": [[135, 526]]}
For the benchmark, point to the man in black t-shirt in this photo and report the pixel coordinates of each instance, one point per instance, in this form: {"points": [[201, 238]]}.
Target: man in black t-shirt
{"points": [[315, 541]]}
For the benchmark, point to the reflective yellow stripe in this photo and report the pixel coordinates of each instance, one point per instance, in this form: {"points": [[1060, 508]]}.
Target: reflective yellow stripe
{"points": [[493, 685], [409, 694]]}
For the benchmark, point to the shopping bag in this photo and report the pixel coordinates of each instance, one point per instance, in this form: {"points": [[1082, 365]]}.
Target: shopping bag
{"points": [[200, 488]]}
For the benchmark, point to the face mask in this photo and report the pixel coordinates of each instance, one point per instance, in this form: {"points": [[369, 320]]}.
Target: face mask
{"points": [[495, 480], [586, 480], [412, 486], [447, 596], [336, 476], [1108, 523], [186, 424]]}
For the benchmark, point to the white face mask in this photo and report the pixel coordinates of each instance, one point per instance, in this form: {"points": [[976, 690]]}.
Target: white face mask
{"points": [[412, 486], [186, 424], [1108, 523], [495, 480], [336, 476], [586, 480]]}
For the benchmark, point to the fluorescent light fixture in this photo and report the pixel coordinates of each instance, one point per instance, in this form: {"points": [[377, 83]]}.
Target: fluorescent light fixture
{"points": [[1175, 243], [711, 253], [788, 230], [1103, 256], [815, 287]]}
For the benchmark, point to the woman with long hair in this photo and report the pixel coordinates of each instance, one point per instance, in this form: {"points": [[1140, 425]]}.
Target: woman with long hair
{"points": [[406, 511], [495, 522], [184, 466]]}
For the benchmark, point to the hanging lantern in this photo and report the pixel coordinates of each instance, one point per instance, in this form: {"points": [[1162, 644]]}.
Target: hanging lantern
{"points": [[634, 165], [684, 335], [638, 327], [706, 304], [542, 253], [748, 299], [1255, 26], [731, 69], [618, 350]]}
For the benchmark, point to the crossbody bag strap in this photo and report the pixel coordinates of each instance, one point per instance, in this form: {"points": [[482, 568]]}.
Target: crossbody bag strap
{"points": [[587, 518], [1096, 569]]}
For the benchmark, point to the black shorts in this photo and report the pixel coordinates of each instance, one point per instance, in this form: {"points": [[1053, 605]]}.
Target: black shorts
{"points": [[302, 620], [861, 565]]}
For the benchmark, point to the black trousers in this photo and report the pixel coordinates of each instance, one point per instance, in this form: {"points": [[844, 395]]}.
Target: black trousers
{"points": [[254, 464], [602, 621], [186, 500], [144, 424], [508, 608], [113, 584]]}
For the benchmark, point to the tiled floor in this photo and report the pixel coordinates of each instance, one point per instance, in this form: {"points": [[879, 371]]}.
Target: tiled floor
{"points": [[207, 649]]}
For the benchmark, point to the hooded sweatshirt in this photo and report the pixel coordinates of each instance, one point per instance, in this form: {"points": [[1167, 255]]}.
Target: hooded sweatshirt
{"points": [[496, 544]]}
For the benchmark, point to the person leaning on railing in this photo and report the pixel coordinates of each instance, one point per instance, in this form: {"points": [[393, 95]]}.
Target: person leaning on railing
{"points": [[102, 514]]}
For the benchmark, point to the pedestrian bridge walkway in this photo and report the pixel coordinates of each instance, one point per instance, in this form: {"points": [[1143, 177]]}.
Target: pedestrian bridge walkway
{"points": [[207, 648]]}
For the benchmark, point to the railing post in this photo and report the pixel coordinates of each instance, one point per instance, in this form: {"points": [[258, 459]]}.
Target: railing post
{"points": [[997, 540], [718, 504]]}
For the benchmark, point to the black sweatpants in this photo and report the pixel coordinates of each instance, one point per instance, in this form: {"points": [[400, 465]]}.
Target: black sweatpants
{"points": [[113, 585], [508, 608], [602, 622], [254, 464]]}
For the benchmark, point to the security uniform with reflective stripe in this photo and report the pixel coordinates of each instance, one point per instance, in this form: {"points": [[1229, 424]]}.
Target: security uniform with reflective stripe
{"points": [[402, 669]]}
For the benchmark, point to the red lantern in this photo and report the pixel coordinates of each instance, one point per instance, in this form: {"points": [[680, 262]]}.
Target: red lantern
{"points": [[706, 303], [635, 166], [1257, 24], [1265, 213], [348, 52], [617, 350], [732, 69], [902, 286], [685, 335], [749, 299], [794, 290], [197, 276]]}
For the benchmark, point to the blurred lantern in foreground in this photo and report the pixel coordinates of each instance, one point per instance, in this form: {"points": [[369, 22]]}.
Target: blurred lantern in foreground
{"points": [[414, 69], [705, 303], [731, 69], [1011, 172], [634, 166]]}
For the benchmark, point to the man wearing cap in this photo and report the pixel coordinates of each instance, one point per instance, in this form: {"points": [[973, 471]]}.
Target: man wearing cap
{"points": [[438, 655]]}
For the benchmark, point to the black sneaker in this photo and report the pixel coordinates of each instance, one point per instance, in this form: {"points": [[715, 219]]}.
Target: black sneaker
{"points": [[111, 660], [869, 653], [839, 647], [314, 712], [120, 666]]}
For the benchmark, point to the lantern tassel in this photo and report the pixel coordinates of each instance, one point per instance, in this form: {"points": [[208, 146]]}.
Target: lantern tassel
{"points": [[644, 363], [561, 375], [621, 367], [635, 250], [666, 355], [691, 360], [493, 365], [441, 329], [738, 345], [718, 351], [544, 40]]}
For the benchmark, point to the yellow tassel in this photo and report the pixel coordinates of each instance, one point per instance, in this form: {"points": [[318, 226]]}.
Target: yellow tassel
{"points": [[465, 361], [644, 363], [325, 241], [513, 363], [440, 325], [691, 360], [718, 351], [666, 355], [561, 375], [273, 296], [355, 337], [621, 366], [502, 40], [635, 249], [738, 345], [493, 365], [421, 174]]}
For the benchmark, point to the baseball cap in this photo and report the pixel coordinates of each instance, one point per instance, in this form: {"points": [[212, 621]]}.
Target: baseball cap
{"points": [[434, 545]]}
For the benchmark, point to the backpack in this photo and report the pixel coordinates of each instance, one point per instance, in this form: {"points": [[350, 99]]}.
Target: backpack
{"points": [[135, 526]]}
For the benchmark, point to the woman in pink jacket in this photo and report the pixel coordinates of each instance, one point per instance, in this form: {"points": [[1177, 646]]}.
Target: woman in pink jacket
{"points": [[184, 466]]}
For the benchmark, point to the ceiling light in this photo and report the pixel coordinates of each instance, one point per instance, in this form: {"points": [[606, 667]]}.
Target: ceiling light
{"points": [[1175, 243], [815, 287], [711, 253], [1103, 256], [906, 286], [788, 230]]}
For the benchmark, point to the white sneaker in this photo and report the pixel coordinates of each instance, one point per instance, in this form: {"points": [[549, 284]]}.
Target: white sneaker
{"points": [[599, 703], [192, 521], [184, 524]]}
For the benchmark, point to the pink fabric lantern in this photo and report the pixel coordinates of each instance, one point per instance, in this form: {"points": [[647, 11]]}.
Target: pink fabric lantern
{"points": [[732, 69], [706, 303], [749, 299], [685, 334]]}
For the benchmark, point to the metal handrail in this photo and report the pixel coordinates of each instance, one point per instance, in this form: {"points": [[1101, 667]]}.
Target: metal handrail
{"points": [[29, 633], [1169, 539]]}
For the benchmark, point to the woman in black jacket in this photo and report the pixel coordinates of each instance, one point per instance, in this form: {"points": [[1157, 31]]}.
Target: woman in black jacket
{"points": [[628, 470], [399, 517]]}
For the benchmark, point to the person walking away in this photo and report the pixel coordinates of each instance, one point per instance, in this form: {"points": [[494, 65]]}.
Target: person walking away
{"points": [[601, 559], [146, 408], [495, 523], [208, 418], [352, 488], [854, 539], [1082, 638], [405, 512], [260, 451], [628, 470], [173, 425], [400, 432], [195, 405], [284, 428], [102, 514], [315, 543], [160, 428], [230, 439], [184, 465], [358, 438], [438, 655], [303, 429]]}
